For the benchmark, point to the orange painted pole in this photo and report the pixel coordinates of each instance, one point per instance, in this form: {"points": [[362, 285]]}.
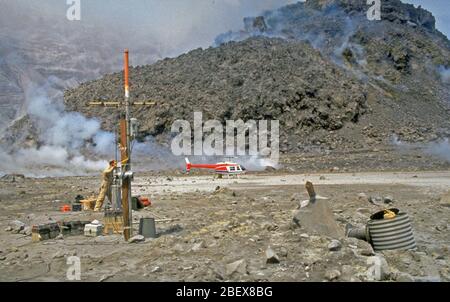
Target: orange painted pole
{"points": [[125, 152], [125, 182], [126, 73]]}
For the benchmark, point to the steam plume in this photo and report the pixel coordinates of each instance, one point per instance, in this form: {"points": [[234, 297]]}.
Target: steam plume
{"points": [[444, 73], [56, 54], [439, 149]]}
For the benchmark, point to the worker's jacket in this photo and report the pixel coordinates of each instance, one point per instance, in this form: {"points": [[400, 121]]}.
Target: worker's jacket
{"points": [[107, 176]]}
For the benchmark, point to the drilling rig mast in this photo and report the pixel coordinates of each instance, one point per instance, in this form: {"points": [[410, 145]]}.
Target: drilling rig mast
{"points": [[125, 175], [125, 154]]}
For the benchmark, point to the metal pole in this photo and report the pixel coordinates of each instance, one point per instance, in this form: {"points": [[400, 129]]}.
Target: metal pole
{"points": [[126, 160]]}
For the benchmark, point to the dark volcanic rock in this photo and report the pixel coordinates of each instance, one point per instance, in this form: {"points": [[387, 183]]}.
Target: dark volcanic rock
{"points": [[259, 78]]}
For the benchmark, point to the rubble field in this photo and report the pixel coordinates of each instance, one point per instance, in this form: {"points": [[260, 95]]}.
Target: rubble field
{"points": [[237, 229]]}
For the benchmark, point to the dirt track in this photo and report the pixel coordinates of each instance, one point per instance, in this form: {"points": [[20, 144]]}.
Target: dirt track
{"points": [[208, 229], [436, 180]]}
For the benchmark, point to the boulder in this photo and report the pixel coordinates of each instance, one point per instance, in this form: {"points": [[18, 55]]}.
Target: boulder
{"points": [[331, 275], [17, 226], [284, 252], [271, 256], [239, 267], [376, 200], [378, 269], [388, 199], [198, 246], [362, 196], [318, 218], [445, 200], [137, 239], [334, 246]]}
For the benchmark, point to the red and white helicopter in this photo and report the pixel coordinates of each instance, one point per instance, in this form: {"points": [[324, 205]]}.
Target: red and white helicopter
{"points": [[225, 168]]}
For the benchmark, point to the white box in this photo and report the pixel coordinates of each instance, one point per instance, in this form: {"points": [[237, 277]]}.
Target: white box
{"points": [[93, 230]]}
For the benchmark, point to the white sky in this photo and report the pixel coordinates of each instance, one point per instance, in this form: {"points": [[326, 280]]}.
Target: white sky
{"points": [[179, 25]]}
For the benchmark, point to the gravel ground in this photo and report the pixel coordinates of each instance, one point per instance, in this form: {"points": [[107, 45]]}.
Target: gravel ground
{"points": [[219, 234]]}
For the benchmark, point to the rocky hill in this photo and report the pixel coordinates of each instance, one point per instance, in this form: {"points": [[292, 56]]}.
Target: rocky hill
{"points": [[334, 79], [258, 78]]}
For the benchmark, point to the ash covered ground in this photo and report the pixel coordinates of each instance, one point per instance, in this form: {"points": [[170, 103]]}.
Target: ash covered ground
{"points": [[220, 229]]}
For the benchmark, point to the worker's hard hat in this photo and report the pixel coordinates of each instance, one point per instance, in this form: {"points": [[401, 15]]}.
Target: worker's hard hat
{"points": [[112, 162]]}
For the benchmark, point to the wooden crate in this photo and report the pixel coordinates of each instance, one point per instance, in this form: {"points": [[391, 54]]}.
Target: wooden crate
{"points": [[88, 204], [113, 222], [45, 232]]}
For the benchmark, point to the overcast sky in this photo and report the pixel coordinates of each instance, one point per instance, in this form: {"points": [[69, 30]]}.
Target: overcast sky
{"points": [[174, 25], [229, 13]]}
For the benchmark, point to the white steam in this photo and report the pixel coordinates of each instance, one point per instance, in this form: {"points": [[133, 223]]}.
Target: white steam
{"points": [[42, 53], [62, 138], [257, 163], [444, 72], [439, 149], [303, 24], [172, 26], [66, 129]]}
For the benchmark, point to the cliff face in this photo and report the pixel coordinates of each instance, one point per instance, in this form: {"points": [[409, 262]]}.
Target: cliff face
{"points": [[391, 10]]}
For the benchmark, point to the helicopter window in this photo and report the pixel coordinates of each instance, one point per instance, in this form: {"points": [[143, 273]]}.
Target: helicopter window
{"points": [[232, 168]]}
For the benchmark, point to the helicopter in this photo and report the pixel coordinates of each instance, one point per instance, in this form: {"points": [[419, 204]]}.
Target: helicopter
{"points": [[222, 168]]}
